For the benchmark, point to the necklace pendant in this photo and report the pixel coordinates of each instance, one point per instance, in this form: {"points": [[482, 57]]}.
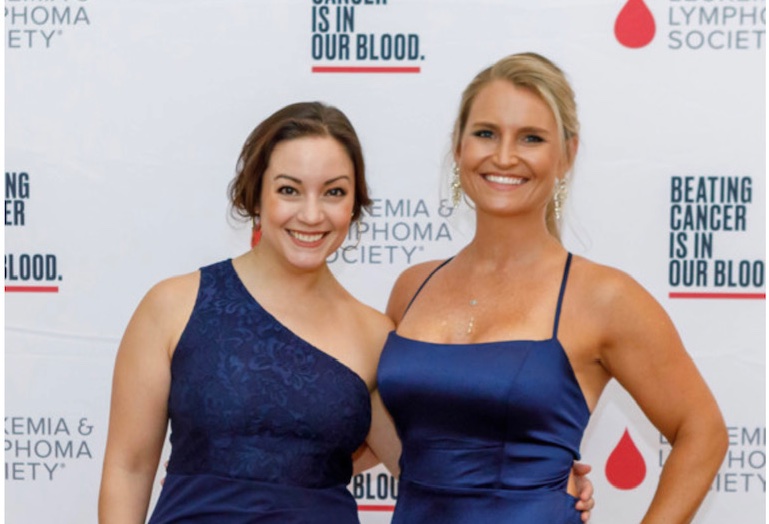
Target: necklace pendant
{"points": [[471, 323]]}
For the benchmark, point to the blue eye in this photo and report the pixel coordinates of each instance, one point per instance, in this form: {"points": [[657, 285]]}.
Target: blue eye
{"points": [[483, 133], [533, 139]]}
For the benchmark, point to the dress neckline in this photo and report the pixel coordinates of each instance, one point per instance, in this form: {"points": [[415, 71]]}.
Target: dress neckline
{"points": [[315, 349], [480, 346]]}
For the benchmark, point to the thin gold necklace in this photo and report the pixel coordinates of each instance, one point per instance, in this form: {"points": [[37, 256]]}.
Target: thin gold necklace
{"points": [[471, 323]]}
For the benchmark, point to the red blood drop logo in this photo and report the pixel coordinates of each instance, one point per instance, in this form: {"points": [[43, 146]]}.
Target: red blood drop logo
{"points": [[625, 468], [634, 26]]}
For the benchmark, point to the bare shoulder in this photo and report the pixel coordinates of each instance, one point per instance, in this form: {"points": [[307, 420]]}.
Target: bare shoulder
{"points": [[603, 285], [375, 320], [167, 307], [612, 298], [406, 286], [172, 294]]}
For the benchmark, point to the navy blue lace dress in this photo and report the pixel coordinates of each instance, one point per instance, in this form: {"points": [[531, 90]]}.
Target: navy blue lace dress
{"points": [[489, 430], [263, 424]]}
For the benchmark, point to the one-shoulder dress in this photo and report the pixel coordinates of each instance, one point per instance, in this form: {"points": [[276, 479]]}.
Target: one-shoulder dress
{"points": [[263, 424], [489, 430]]}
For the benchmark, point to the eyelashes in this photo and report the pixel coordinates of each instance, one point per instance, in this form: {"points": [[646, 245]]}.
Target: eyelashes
{"points": [[292, 191], [483, 133]]}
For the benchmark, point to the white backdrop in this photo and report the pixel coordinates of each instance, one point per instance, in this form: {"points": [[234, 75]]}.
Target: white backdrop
{"points": [[124, 121]]}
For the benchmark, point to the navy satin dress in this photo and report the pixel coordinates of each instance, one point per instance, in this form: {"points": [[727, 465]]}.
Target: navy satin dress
{"points": [[489, 430], [263, 424]]}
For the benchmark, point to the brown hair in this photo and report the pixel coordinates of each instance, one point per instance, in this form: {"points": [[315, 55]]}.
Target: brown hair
{"points": [[302, 119], [544, 78]]}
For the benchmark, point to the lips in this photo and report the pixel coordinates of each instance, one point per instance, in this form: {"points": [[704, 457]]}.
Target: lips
{"points": [[505, 180]]}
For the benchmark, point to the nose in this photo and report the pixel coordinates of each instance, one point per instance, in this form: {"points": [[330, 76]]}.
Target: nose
{"points": [[506, 153], [311, 211]]}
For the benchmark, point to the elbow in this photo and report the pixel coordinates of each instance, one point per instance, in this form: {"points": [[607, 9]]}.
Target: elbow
{"points": [[706, 436], [715, 438], [722, 441], [719, 435]]}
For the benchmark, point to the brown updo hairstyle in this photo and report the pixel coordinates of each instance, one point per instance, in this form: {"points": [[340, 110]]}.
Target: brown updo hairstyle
{"points": [[543, 77], [302, 119]]}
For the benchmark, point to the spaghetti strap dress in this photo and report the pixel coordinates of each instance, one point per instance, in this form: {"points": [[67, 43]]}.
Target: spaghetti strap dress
{"points": [[263, 424], [489, 430]]}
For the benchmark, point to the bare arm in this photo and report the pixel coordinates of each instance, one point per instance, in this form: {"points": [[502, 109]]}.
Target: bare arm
{"points": [[382, 443], [138, 411], [383, 438], [644, 353]]}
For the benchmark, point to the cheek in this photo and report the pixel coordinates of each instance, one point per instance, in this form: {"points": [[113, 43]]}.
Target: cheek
{"points": [[469, 159], [341, 214]]}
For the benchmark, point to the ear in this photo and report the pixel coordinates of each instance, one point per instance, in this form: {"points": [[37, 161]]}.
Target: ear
{"points": [[455, 155], [572, 145]]}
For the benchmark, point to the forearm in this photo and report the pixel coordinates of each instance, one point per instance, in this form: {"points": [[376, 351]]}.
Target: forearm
{"points": [[124, 496], [688, 474]]}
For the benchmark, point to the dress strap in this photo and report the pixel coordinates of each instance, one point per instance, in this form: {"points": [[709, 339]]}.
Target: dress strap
{"points": [[560, 295], [423, 284]]}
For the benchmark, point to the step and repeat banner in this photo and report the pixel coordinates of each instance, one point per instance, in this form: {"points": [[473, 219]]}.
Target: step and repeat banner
{"points": [[124, 121]]}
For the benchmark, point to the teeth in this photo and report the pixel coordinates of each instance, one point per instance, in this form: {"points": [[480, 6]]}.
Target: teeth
{"points": [[306, 237], [510, 181]]}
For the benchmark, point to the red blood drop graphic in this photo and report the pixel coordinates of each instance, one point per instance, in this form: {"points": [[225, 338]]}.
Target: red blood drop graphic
{"points": [[634, 26], [625, 468]]}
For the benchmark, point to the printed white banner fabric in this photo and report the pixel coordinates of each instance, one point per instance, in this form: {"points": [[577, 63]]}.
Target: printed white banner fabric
{"points": [[124, 121]]}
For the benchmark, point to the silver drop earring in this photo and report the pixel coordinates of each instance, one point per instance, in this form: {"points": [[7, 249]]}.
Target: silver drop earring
{"points": [[559, 196], [456, 187]]}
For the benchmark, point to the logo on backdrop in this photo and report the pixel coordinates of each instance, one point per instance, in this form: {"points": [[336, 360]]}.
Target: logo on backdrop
{"points": [[706, 211], [635, 25], [40, 448], [340, 42], [694, 25], [25, 272], [394, 231], [42, 26], [744, 468], [374, 492], [625, 468]]}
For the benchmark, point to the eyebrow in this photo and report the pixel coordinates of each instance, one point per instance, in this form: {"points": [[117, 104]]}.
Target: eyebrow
{"points": [[326, 183], [525, 129]]}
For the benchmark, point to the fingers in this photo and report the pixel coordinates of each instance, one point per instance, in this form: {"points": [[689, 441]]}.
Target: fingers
{"points": [[582, 469], [585, 507]]}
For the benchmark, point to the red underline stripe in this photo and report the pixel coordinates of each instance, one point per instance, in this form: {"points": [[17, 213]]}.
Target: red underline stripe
{"points": [[375, 508], [31, 289], [364, 69], [759, 296]]}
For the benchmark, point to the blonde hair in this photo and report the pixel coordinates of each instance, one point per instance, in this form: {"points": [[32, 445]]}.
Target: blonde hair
{"points": [[542, 76]]}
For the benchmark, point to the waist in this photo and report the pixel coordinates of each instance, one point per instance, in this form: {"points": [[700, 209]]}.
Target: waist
{"points": [[297, 462], [453, 465], [212, 498]]}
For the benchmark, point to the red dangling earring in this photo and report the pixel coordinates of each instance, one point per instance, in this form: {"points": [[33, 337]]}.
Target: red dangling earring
{"points": [[256, 230]]}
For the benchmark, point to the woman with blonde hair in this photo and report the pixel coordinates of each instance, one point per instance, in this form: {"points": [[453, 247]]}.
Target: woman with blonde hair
{"points": [[491, 383]]}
